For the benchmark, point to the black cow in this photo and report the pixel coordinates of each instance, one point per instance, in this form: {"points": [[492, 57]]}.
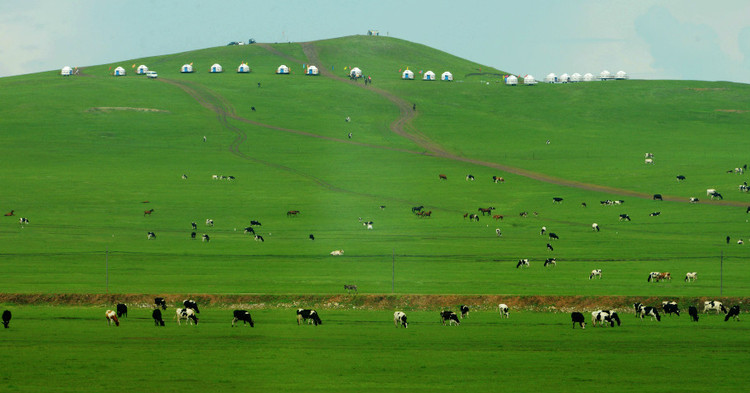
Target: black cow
{"points": [[553, 236], [6, 318], [160, 302], [191, 304], [449, 316], [312, 237], [195, 226], [306, 314], [549, 247], [670, 308], [579, 319], [693, 313], [654, 214], [253, 222], [557, 200], [624, 217], [244, 316], [192, 235], [464, 311], [734, 313], [122, 310], [250, 230], [680, 178], [658, 197], [651, 312], [156, 314]]}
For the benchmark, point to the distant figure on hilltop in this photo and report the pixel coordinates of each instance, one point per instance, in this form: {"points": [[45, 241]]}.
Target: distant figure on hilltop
{"points": [[204, 138]]}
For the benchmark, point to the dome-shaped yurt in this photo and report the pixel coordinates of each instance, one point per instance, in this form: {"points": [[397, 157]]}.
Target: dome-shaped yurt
{"points": [[511, 80], [141, 70], [446, 76], [407, 74], [243, 68], [621, 75], [66, 71], [355, 73], [428, 76], [283, 69], [605, 75], [529, 80], [119, 71], [564, 78], [312, 70], [216, 68], [186, 68], [551, 78], [588, 77], [576, 77]]}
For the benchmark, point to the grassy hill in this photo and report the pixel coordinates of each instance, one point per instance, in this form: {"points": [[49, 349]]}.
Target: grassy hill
{"points": [[82, 154]]}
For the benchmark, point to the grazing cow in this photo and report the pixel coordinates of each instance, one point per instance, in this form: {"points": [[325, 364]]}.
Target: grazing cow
{"points": [[595, 227], [184, 176], [249, 230], [209, 222], [191, 304], [600, 317], [259, 238], [713, 305], [553, 236], [474, 217], [638, 307], [450, 317], [649, 161], [417, 209], [595, 273], [230, 178], [399, 319], [583, 204], [308, 315], [215, 177], [557, 200], [337, 252], [350, 287], [549, 247], [649, 155], [693, 312], [311, 237], [470, 177], [497, 179], [156, 315], [192, 235], [367, 224], [160, 302], [734, 313], [206, 238], [464, 311], [253, 223], [658, 197], [187, 314], [6, 318], [111, 318], [542, 231], [503, 308], [670, 308], [664, 276], [147, 212], [694, 200], [653, 276], [23, 220], [10, 213], [122, 310], [716, 195], [150, 235], [194, 225], [550, 261], [498, 232], [244, 316], [624, 217], [578, 318], [691, 276], [680, 178], [654, 214], [710, 191], [651, 312], [523, 214], [443, 177], [522, 262]]}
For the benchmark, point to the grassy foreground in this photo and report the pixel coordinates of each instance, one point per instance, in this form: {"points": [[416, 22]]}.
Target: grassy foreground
{"points": [[58, 348]]}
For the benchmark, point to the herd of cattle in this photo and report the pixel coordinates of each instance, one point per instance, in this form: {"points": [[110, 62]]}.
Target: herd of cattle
{"points": [[610, 317]]}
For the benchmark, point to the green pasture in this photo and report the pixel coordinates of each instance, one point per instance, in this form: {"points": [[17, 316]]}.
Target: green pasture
{"points": [[80, 171], [71, 349]]}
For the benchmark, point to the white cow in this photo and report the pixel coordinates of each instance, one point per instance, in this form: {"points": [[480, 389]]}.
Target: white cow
{"points": [[649, 155], [691, 276], [595, 227], [710, 191], [649, 161], [399, 319], [337, 252], [713, 305], [503, 310], [209, 222], [595, 273]]}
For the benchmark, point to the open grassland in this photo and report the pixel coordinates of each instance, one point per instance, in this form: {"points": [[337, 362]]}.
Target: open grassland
{"points": [[70, 349]]}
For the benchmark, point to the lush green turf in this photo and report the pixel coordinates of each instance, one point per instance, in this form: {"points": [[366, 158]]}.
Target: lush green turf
{"points": [[72, 350], [80, 175]]}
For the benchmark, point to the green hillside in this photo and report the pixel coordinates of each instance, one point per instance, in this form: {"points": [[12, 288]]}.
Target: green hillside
{"points": [[82, 155]]}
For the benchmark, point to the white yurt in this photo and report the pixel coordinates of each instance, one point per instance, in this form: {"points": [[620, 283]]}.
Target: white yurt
{"points": [[446, 76], [564, 78], [428, 76], [588, 77], [312, 70], [243, 68], [283, 69], [551, 78], [119, 71], [355, 73], [576, 77], [621, 75], [511, 80], [407, 74], [216, 68], [141, 70], [186, 68], [529, 80], [605, 75], [66, 71]]}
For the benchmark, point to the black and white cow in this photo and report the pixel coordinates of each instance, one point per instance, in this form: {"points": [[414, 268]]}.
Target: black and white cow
{"points": [[350, 287], [693, 312], [160, 302], [253, 222], [714, 305], [464, 311], [624, 217], [450, 317], [670, 308], [658, 197], [194, 225], [156, 315], [503, 308], [595, 273], [579, 319], [308, 315], [399, 319], [595, 227], [638, 307], [602, 317], [187, 314], [734, 312], [651, 312], [150, 235], [244, 316], [654, 214], [6, 318], [189, 303], [23, 220], [550, 248], [557, 200], [522, 262], [691, 276], [259, 238], [209, 222], [680, 178], [206, 238], [250, 230], [122, 310], [553, 236], [550, 261]]}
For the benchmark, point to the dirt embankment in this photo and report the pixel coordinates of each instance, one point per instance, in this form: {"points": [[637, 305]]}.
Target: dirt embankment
{"points": [[366, 302]]}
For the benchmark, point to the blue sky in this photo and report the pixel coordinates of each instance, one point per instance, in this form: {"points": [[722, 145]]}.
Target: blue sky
{"points": [[649, 39]]}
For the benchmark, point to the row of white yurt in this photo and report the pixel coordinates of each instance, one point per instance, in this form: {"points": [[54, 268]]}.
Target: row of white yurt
{"points": [[588, 77], [621, 75], [427, 76]]}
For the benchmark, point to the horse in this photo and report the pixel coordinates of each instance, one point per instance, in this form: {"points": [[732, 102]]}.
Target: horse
{"points": [[417, 209], [147, 212], [292, 213], [10, 213], [424, 214], [486, 210]]}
